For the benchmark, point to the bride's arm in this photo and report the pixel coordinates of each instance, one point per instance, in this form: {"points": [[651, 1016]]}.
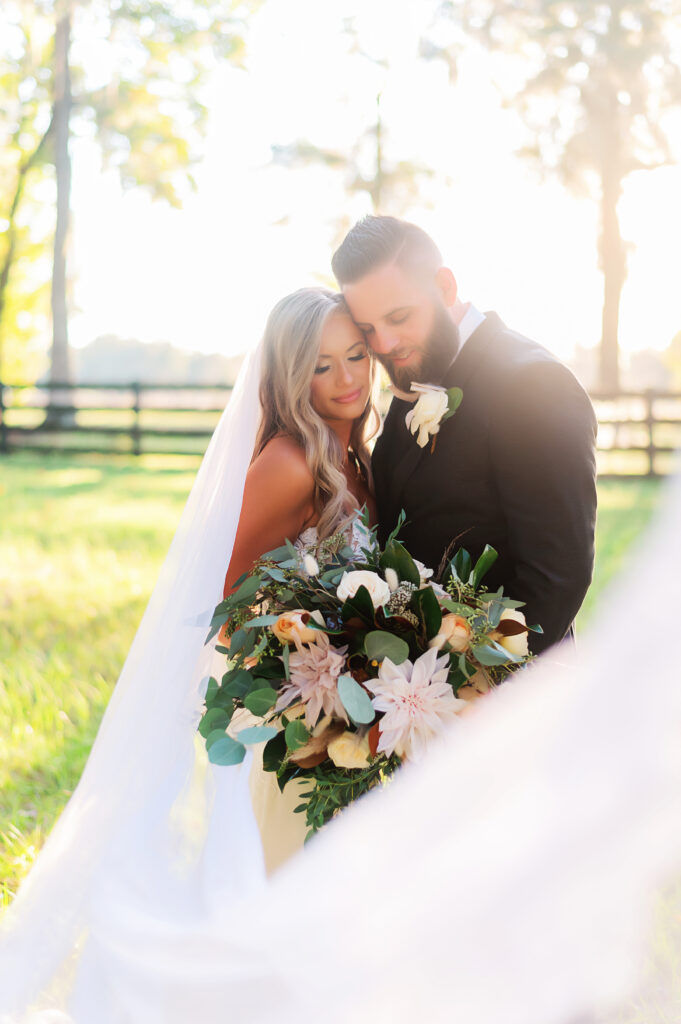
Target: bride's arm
{"points": [[278, 503]]}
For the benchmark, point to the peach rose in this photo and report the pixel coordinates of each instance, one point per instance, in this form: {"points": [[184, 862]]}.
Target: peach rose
{"points": [[454, 631], [292, 627]]}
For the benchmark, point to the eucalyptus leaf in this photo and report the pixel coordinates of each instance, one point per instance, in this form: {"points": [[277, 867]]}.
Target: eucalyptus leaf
{"points": [[276, 554], [226, 751], [248, 589], [237, 640], [456, 607], [240, 683], [296, 735], [211, 689], [257, 734], [259, 702], [493, 654], [355, 700], [213, 720], [379, 645], [260, 620], [276, 574]]}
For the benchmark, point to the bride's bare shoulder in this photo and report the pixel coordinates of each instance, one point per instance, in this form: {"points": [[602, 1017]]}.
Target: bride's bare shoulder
{"points": [[283, 459]]}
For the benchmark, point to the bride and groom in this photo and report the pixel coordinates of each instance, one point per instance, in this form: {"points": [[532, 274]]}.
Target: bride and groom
{"points": [[514, 468]]}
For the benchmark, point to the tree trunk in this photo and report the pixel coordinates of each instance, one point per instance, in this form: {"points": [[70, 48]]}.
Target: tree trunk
{"points": [[60, 369], [7, 264], [613, 262]]}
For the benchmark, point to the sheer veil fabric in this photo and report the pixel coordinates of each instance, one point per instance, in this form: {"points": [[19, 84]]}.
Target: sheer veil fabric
{"points": [[508, 879]]}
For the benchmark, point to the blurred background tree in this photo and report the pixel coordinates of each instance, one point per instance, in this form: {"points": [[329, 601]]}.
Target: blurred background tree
{"points": [[596, 82], [126, 74]]}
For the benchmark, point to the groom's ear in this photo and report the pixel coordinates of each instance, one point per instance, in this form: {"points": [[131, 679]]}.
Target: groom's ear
{"points": [[445, 282]]}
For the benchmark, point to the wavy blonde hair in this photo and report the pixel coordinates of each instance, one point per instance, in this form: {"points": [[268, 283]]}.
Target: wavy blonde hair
{"points": [[291, 346]]}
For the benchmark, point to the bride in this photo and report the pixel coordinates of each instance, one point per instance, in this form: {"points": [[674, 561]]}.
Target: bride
{"points": [[151, 825], [310, 472]]}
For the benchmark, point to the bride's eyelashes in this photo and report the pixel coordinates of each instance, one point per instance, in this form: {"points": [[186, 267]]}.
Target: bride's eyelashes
{"points": [[351, 359]]}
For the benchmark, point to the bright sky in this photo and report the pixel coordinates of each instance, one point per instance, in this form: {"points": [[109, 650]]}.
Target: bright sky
{"points": [[206, 276]]}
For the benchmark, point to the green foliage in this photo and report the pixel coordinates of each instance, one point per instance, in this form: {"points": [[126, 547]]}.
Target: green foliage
{"points": [[143, 101], [379, 645], [355, 700]]}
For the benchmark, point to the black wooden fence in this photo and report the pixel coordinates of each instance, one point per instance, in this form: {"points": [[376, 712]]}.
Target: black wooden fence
{"points": [[639, 432]]}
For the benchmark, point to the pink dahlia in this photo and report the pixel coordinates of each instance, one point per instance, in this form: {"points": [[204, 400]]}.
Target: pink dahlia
{"points": [[417, 702], [314, 674]]}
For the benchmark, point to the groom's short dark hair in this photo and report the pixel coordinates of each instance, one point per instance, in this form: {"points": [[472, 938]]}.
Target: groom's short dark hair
{"points": [[375, 241]]}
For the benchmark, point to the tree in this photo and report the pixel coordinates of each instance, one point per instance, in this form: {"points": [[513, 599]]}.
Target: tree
{"points": [[370, 165], [599, 78], [128, 75], [25, 129]]}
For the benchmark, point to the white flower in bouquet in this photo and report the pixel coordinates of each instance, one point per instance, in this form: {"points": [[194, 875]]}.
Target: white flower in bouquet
{"points": [[424, 419], [350, 750], [314, 673], [417, 702], [378, 589], [424, 572], [517, 643]]}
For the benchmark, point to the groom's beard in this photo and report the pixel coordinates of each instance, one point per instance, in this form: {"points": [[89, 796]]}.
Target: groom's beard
{"points": [[441, 346]]}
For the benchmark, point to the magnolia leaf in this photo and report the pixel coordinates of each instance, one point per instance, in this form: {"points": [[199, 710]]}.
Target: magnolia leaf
{"points": [[395, 556], [461, 565], [509, 627], [483, 565], [355, 700], [379, 645], [274, 753], [257, 734]]}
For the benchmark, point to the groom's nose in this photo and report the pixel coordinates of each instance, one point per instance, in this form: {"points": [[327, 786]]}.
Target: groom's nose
{"points": [[384, 340]]}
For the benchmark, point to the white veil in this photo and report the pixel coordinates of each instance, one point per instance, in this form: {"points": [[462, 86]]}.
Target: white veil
{"points": [[508, 879], [144, 753]]}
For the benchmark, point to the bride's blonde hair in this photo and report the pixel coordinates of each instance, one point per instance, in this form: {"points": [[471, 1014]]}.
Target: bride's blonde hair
{"points": [[290, 352]]}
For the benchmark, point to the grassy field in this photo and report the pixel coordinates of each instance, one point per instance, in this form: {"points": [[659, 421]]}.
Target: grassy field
{"points": [[81, 541]]}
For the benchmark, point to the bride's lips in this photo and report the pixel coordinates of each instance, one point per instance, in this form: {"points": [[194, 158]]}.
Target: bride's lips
{"points": [[351, 396]]}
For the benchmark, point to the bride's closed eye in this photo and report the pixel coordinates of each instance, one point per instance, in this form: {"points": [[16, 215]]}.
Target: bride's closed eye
{"points": [[351, 359]]}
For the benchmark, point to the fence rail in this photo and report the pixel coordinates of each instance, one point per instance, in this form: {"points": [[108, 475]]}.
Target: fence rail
{"points": [[639, 431]]}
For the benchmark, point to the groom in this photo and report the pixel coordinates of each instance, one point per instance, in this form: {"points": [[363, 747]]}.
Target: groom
{"points": [[514, 467]]}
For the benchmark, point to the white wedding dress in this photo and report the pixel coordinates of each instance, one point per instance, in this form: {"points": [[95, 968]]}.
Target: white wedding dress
{"points": [[507, 879]]}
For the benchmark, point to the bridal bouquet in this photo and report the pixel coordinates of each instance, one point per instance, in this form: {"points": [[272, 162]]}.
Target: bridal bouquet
{"points": [[345, 662]]}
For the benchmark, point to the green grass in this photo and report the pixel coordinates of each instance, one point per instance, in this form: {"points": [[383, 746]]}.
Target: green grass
{"points": [[81, 541]]}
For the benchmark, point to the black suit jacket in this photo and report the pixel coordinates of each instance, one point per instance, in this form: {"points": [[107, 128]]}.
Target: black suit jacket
{"points": [[514, 467]]}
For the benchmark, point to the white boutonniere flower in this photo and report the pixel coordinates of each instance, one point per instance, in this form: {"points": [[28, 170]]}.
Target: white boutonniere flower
{"points": [[433, 406]]}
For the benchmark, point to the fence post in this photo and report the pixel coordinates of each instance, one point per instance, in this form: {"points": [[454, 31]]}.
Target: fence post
{"points": [[136, 433], [4, 447], [650, 423]]}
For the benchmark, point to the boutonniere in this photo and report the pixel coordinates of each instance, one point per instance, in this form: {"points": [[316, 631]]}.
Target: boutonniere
{"points": [[433, 406]]}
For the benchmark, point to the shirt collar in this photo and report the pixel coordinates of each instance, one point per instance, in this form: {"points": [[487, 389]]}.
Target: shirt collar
{"points": [[472, 319]]}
